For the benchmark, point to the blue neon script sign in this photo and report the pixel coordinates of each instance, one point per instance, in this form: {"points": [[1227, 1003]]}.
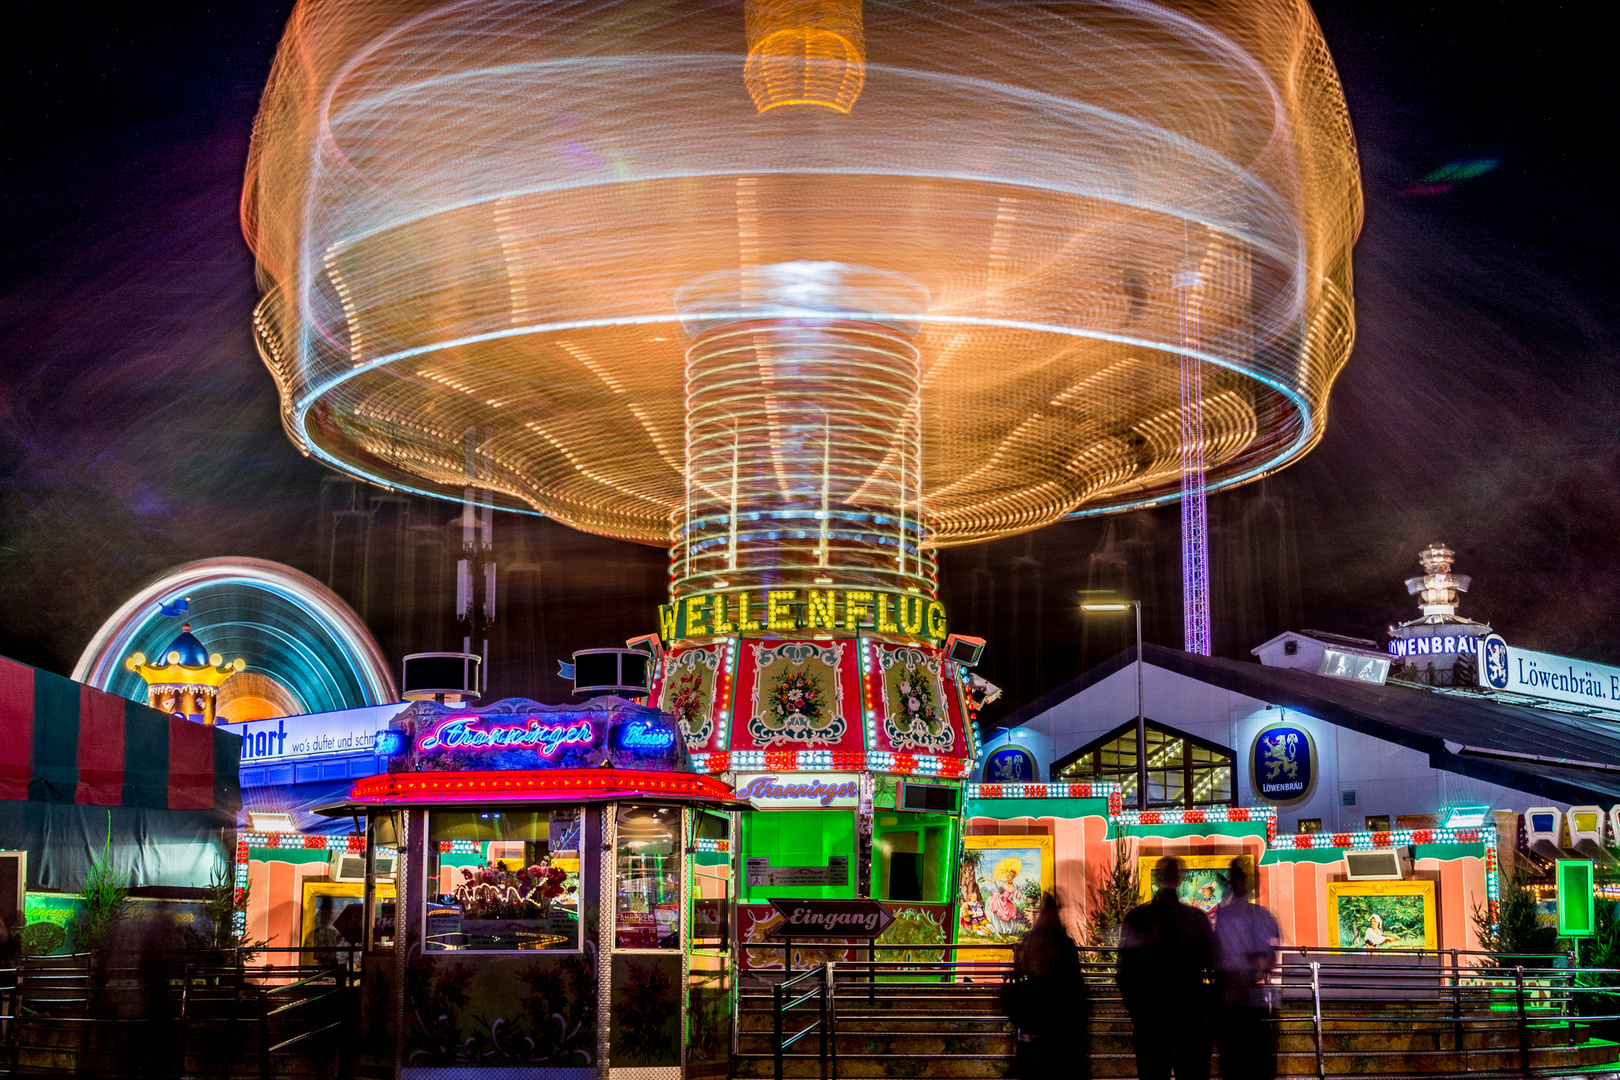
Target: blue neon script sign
{"points": [[485, 733], [643, 736]]}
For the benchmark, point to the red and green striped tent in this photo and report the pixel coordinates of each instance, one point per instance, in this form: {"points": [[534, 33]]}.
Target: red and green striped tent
{"points": [[73, 757]]}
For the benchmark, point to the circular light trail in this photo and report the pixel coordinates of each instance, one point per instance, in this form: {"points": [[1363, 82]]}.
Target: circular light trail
{"points": [[481, 217], [285, 624]]}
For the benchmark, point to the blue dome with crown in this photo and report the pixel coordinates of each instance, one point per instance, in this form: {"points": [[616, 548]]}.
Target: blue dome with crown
{"points": [[192, 653]]}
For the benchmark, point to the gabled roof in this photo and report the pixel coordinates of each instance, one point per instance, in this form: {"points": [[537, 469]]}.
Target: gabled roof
{"points": [[1337, 641], [1563, 757]]}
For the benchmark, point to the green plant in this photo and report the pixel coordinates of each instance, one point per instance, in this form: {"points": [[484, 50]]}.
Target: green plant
{"points": [[106, 894], [225, 918], [1598, 984], [1515, 931], [1111, 901]]}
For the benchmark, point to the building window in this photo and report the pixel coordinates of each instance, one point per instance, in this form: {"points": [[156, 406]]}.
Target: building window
{"points": [[1309, 825], [1378, 823], [1182, 770], [503, 880]]}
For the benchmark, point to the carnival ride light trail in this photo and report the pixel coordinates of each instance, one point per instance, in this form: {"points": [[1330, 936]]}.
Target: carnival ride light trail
{"points": [[290, 627], [683, 303]]}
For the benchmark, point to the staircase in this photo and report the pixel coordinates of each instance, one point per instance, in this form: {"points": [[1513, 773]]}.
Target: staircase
{"points": [[950, 1031], [907, 1030]]}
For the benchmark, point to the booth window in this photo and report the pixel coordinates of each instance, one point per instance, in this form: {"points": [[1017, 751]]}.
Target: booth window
{"points": [[711, 880], [912, 856], [1182, 770], [798, 855], [647, 864], [503, 880]]}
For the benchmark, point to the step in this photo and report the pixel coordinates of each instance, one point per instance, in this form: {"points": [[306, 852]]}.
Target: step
{"points": [[41, 1046], [765, 1022], [876, 1065], [930, 1043], [1591, 1055], [1294, 1034], [904, 1044]]}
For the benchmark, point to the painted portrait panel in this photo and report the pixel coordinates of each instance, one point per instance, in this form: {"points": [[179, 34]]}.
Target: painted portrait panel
{"points": [[1205, 879], [1379, 915], [1002, 881], [687, 692], [916, 717], [796, 699]]}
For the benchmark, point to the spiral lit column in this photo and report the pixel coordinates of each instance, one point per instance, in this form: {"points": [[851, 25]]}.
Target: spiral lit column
{"points": [[803, 442]]}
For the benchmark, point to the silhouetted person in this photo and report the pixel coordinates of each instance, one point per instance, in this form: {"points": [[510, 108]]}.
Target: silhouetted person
{"points": [[324, 944], [144, 956], [1166, 951], [1048, 1002], [1245, 953]]}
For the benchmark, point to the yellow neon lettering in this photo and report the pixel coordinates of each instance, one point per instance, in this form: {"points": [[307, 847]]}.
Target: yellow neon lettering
{"points": [[667, 614], [885, 625], [745, 614], [911, 613], [694, 615], [779, 610], [857, 606], [823, 611], [722, 625], [936, 619]]}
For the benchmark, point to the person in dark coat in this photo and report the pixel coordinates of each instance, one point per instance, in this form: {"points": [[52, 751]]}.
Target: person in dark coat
{"points": [[1047, 1000], [1166, 956], [1246, 937]]}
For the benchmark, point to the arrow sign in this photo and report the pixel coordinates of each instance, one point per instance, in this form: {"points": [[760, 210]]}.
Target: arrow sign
{"points": [[830, 918]]}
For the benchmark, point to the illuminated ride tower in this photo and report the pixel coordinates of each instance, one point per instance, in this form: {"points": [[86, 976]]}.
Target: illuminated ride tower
{"points": [[805, 292], [185, 678]]}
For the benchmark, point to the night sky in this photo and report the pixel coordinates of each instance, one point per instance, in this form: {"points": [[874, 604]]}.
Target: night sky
{"points": [[1481, 405]]}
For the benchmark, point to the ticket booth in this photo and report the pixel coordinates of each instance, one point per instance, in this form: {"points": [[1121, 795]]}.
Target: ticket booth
{"points": [[846, 836], [565, 888]]}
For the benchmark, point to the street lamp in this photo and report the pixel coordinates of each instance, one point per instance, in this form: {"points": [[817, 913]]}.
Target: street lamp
{"points": [[1141, 715]]}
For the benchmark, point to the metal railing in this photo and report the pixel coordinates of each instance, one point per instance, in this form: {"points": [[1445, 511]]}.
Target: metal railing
{"points": [[825, 1025], [84, 1015], [280, 1001], [1486, 1013]]}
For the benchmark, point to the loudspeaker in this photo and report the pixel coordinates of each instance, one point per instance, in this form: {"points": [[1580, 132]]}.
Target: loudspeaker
{"points": [[964, 650], [622, 672], [440, 676], [1382, 864], [929, 798]]}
